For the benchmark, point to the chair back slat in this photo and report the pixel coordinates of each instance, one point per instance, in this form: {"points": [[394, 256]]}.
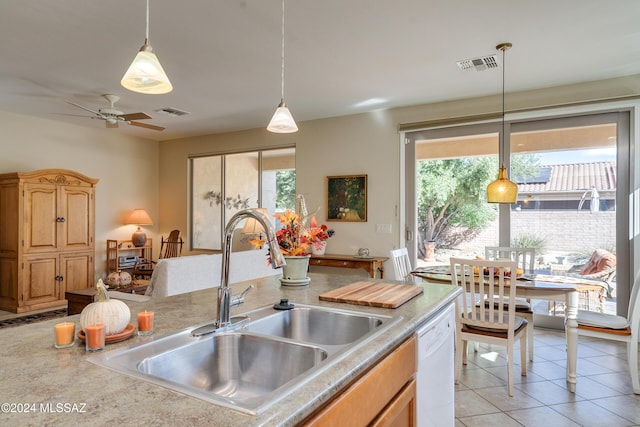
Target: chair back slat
{"points": [[485, 282], [525, 258], [401, 263], [171, 247]]}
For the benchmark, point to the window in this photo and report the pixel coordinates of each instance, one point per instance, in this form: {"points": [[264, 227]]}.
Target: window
{"points": [[224, 184]]}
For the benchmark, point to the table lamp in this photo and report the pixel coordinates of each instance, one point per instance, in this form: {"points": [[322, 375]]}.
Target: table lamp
{"points": [[139, 217], [251, 226]]}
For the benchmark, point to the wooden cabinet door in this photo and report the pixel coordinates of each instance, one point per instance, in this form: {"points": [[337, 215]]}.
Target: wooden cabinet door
{"points": [[40, 279], [8, 280], [401, 411], [76, 270], [76, 213], [9, 220], [41, 214], [380, 395]]}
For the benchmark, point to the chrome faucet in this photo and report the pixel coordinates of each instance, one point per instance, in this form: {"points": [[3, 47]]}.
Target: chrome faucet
{"points": [[277, 260]]}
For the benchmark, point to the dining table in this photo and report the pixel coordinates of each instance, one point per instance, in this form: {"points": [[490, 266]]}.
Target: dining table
{"points": [[544, 287]]}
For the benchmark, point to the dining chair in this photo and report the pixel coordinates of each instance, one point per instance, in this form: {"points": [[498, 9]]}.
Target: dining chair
{"points": [[525, 259], [171, 247], [489, 323], [617, 328], [402, 265]]}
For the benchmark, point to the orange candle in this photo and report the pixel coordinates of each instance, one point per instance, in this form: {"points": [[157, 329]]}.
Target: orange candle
{"points": [[65, 332], [95, 336], [145, 322]]}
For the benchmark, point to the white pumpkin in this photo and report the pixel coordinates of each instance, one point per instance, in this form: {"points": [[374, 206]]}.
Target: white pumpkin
{"points": [[119, 278], [114, 314]]}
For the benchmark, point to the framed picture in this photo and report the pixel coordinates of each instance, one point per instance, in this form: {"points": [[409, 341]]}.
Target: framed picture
{"points": [[347, 198]]}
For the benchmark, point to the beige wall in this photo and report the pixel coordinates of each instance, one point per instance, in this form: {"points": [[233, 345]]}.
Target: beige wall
{"points": [[363, 143], [135, 172], [358, 144], [126, 167]]}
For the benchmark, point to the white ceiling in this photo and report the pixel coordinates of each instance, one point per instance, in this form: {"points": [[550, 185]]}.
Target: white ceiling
{"points": [[223, 56]]}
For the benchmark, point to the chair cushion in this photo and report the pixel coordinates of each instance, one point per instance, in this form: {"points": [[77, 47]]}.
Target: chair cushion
{"points": [[602, 320], [518, 323], [600, 260]]}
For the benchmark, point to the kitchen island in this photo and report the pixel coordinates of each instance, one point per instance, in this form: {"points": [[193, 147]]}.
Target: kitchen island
{"points": [[46, 386]]}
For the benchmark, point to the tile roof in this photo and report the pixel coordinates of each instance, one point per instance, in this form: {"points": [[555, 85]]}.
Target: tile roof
{"points": [[571, 177]]}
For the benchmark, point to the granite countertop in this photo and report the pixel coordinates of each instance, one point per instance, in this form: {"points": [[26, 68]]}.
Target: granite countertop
{"points": [[42, 385]]}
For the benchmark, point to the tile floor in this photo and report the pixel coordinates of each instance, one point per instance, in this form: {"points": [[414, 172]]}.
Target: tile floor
{"points": [[604, 396]]}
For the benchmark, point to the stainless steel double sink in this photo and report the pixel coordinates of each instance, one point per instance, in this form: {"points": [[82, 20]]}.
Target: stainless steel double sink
{"points": [[253, 363]]}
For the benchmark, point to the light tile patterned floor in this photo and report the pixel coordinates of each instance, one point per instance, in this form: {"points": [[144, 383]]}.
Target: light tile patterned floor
{"points": [[604, 396]]}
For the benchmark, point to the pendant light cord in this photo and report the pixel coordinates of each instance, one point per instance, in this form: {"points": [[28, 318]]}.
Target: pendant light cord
{"points": [[503, 126], [503, 47], [282, 65], [147, 33]]}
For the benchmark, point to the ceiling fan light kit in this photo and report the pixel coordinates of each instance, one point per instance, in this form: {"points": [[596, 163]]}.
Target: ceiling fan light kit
{"points": [[145, 74]]}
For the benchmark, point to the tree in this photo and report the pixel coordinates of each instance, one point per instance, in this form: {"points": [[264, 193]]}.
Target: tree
{"points": [[452, 193], [285, 189], [451, 198]]}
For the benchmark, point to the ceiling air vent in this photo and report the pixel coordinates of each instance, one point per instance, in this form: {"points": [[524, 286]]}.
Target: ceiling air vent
{"points": [[174, 112], [478, 64]]}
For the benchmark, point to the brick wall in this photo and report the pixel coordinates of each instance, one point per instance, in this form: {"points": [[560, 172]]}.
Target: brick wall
{"points": [[563, 231]]}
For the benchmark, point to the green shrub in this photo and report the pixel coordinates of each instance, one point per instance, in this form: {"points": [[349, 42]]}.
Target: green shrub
{"points": [[530, 241]]}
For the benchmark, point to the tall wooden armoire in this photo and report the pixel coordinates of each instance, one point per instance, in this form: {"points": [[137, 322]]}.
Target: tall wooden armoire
{"points": [[47, 233]]}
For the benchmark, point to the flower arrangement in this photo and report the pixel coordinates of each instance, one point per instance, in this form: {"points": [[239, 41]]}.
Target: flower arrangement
{"points": [[294, 238], [319, 234]]}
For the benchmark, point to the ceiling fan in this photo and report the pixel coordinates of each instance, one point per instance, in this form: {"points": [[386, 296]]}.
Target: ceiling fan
{"points": [[113, 117]]}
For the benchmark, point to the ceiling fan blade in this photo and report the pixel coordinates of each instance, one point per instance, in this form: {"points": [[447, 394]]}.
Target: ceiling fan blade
{"points": [[73, 115], [134, 116], [146, 125], [111, 125], [84, 108]]}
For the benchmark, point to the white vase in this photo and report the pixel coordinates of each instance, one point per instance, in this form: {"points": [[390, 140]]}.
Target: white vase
{"points": [[295, 272], [319, 248]]}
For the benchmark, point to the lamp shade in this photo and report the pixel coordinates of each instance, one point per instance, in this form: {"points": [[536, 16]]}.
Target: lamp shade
{"points": [[139, 217], [502, 190], [145, 74], [251, 226], [282, 120]]}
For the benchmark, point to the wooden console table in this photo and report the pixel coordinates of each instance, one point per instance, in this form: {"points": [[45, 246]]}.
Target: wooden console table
{"points": [[79, 298], [371, 265]]}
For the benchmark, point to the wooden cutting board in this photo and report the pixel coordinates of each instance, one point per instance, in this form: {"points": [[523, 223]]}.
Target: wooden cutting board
{"points": [[375, 294]]}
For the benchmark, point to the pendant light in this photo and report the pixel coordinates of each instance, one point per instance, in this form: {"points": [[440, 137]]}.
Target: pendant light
{"points": [[282, 120], [145, 74], [502, 190]]}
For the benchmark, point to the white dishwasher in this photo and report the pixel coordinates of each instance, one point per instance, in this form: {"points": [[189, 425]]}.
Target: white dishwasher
{"points": [[434, 380]]}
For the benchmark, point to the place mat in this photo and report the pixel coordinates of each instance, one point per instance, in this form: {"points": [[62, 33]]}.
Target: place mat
{"points": [[374, 294]]}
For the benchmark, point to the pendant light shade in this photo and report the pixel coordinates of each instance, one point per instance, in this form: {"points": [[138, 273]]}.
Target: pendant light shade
{"points": [[502, 190], [145, 74], [282, 120]]}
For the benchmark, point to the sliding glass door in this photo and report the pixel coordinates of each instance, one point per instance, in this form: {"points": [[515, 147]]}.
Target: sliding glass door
{"points": [[571, 206], [221, 185]]}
